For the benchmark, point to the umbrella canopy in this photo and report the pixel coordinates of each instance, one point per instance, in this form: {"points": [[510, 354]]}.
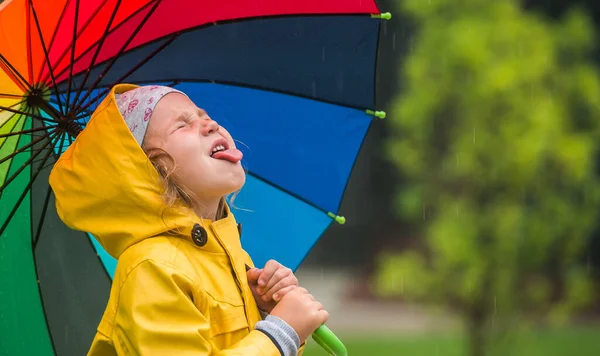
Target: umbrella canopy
{"points": [[293, 81]]}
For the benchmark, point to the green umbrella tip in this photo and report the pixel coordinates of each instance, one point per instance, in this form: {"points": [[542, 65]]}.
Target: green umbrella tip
{"points": [[379, 114], [339, 219], [383, 16]]}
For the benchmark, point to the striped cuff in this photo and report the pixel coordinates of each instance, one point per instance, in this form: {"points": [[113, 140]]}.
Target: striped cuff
{"points": [[283, 336]]}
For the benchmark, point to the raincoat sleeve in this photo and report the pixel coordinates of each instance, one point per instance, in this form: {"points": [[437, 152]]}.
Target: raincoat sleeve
{"points": [[157, 316]]}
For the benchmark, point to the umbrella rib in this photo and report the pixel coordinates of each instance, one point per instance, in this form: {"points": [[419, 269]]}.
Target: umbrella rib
{"points": [[258, 87], [25, 131], [15, 104], [36, 238], [9, 119], [12, 69], [34, 245], [73, 46], [79, 33], [98, 49], [284, 190], [60, 19], [53, 145], [130, 72], [26, 190], [116, 57], [15, 96], [13, 110], [39, 288], [62, 141], [350, 172], [89, 49], [375, 70], [25, 114], [7, 123], [29, 46], [83, 116], [47, 199], [37, 24], [24, 148]]}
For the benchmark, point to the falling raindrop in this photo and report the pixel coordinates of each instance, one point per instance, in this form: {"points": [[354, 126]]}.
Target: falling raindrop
{"points": [[394, 41], [495, 313], [473, 134], [323, 53], [456, 207], [322, 274]]}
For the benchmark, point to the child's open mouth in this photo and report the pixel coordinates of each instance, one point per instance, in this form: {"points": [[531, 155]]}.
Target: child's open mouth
{"points": [[220, 150]]}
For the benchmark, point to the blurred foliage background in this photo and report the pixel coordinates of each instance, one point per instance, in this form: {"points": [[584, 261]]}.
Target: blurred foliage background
{"points": [[478, 198]]}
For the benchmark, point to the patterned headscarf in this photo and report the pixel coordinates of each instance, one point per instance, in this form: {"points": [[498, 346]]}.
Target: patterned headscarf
{"points": [[136, 107]]}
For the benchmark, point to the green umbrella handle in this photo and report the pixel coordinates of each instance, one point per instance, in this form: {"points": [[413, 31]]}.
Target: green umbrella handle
{"points": [[327, 340]]}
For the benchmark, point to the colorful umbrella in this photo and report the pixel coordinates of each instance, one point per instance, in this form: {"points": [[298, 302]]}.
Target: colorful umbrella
{"points": [[305, 68]]}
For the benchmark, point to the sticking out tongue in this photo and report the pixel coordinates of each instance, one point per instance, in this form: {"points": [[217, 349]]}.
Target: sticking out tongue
{"points": [[232, 155]]}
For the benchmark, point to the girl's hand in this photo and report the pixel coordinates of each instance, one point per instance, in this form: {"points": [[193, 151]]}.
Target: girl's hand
{"points": [[302, 312], [270, 284]]}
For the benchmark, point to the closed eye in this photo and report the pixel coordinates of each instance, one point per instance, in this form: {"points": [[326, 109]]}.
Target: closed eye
{"points": [[178, 127], [183, 123]]}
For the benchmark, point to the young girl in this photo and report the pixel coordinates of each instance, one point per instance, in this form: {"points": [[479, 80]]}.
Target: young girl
{"points": [[147, 177]]}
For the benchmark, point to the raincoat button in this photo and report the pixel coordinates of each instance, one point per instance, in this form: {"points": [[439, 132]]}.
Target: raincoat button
{"points": [[199, 235]]}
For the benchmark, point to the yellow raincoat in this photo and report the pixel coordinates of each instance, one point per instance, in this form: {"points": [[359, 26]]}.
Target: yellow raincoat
{"points": [[180, 286]]}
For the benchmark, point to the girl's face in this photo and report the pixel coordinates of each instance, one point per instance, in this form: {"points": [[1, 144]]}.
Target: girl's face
{"points": [[207, 161]]}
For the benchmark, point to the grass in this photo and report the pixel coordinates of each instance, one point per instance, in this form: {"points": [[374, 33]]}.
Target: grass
{"points": [[580, 341]]}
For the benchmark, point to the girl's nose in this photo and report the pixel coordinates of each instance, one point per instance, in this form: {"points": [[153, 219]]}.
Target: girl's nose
{"points": [[208, 126]]}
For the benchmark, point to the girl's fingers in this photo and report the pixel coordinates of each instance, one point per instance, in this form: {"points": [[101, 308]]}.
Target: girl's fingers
{"points": [[253, 274], [267, 273], [281, 274], [279, 294], [283, 283]]}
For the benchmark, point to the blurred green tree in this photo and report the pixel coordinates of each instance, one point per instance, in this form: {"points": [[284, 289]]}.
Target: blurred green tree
{"points": [[496, 132]]}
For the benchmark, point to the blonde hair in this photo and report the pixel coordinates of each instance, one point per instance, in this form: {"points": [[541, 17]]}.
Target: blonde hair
{"points": [[175, 192]]}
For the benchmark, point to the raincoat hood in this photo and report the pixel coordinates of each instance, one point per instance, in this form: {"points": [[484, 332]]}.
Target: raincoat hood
{"points": [[105, 185]]}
